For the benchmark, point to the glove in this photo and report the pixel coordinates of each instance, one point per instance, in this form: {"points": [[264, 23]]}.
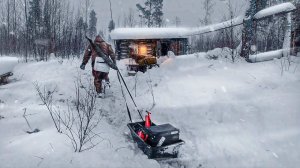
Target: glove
{"points": [[82, 66]]}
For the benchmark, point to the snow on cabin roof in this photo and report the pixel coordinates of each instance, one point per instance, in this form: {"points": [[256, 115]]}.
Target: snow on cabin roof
{"points": [[276, 9], [148, 33]]}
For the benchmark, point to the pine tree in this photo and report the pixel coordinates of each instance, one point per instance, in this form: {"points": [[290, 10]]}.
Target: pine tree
{"points": [[80, 31], [34, 24], [249, 25], [92, 24], [152, 12], [47, 20], [157, 13], [34, 20], [145, 12]]}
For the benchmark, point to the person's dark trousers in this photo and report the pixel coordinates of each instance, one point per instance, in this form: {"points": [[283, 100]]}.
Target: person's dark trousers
{"points": [[98, 77]]}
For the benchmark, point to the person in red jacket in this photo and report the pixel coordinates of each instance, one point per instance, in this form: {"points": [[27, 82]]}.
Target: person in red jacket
{"points": [[100, 68]]}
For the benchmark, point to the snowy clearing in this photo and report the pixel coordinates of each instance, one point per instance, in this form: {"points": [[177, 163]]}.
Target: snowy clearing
{"points": [[230, 115]]}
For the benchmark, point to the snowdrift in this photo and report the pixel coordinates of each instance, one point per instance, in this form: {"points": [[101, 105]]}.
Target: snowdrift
{"points": [[7, 64]]}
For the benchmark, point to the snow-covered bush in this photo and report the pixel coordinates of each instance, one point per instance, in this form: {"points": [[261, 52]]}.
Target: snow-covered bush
{"points": [[218, 53], [46, 95], [81, 117]]}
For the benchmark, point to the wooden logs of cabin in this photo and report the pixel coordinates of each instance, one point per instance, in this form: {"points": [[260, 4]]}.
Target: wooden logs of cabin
{"points": [[123, 49], [149, 49]]}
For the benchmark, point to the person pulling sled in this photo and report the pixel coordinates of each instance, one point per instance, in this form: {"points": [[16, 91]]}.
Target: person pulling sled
{"points": [[100, 66]]}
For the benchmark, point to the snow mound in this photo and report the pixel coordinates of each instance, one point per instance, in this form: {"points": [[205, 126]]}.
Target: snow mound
{"points": [[218, 53], [7, 64]]}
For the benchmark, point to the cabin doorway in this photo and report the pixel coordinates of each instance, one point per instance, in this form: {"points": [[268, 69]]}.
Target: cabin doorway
{"points": [[165, 47]]}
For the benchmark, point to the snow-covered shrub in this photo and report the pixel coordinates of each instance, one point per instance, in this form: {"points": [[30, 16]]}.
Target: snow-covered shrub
{"points": [[82, 118], [218, 53], [46, 95]]}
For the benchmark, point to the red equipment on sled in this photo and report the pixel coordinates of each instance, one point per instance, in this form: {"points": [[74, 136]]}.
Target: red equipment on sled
{"points": [[148, 120]]}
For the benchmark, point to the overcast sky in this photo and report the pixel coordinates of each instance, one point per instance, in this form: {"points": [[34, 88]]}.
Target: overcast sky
{"points": [[189, 11]]}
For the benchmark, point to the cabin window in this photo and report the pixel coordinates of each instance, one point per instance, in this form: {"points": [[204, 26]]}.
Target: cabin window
{"points": [[143, 49]]}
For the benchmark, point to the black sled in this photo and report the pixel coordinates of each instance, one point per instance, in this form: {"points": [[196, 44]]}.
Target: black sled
{"points": [[162, 142]]}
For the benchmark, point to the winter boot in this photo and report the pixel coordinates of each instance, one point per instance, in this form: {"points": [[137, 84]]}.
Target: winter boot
{"points": [[107, 84], [100, 95]]}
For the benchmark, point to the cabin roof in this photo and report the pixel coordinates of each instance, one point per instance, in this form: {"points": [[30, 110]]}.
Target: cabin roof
{"points": [[148, 33]]}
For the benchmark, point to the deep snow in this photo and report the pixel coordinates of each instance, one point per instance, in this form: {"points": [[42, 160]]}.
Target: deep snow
{"points": [[230, 115]]}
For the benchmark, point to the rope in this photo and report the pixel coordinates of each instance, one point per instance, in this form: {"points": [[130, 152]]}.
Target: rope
{"points": [[151, 89], [128, 111], [119, 74]]}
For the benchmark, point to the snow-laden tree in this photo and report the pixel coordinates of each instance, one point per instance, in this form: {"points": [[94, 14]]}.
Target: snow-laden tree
{"points": [[80, 33], [157, 13], [152, 12], [249, 25], [34, 24], [35, 17], [92, 24]]}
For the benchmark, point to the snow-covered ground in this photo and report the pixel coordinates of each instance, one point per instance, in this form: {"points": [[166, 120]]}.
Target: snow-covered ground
{"points": [[230, 115]]}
